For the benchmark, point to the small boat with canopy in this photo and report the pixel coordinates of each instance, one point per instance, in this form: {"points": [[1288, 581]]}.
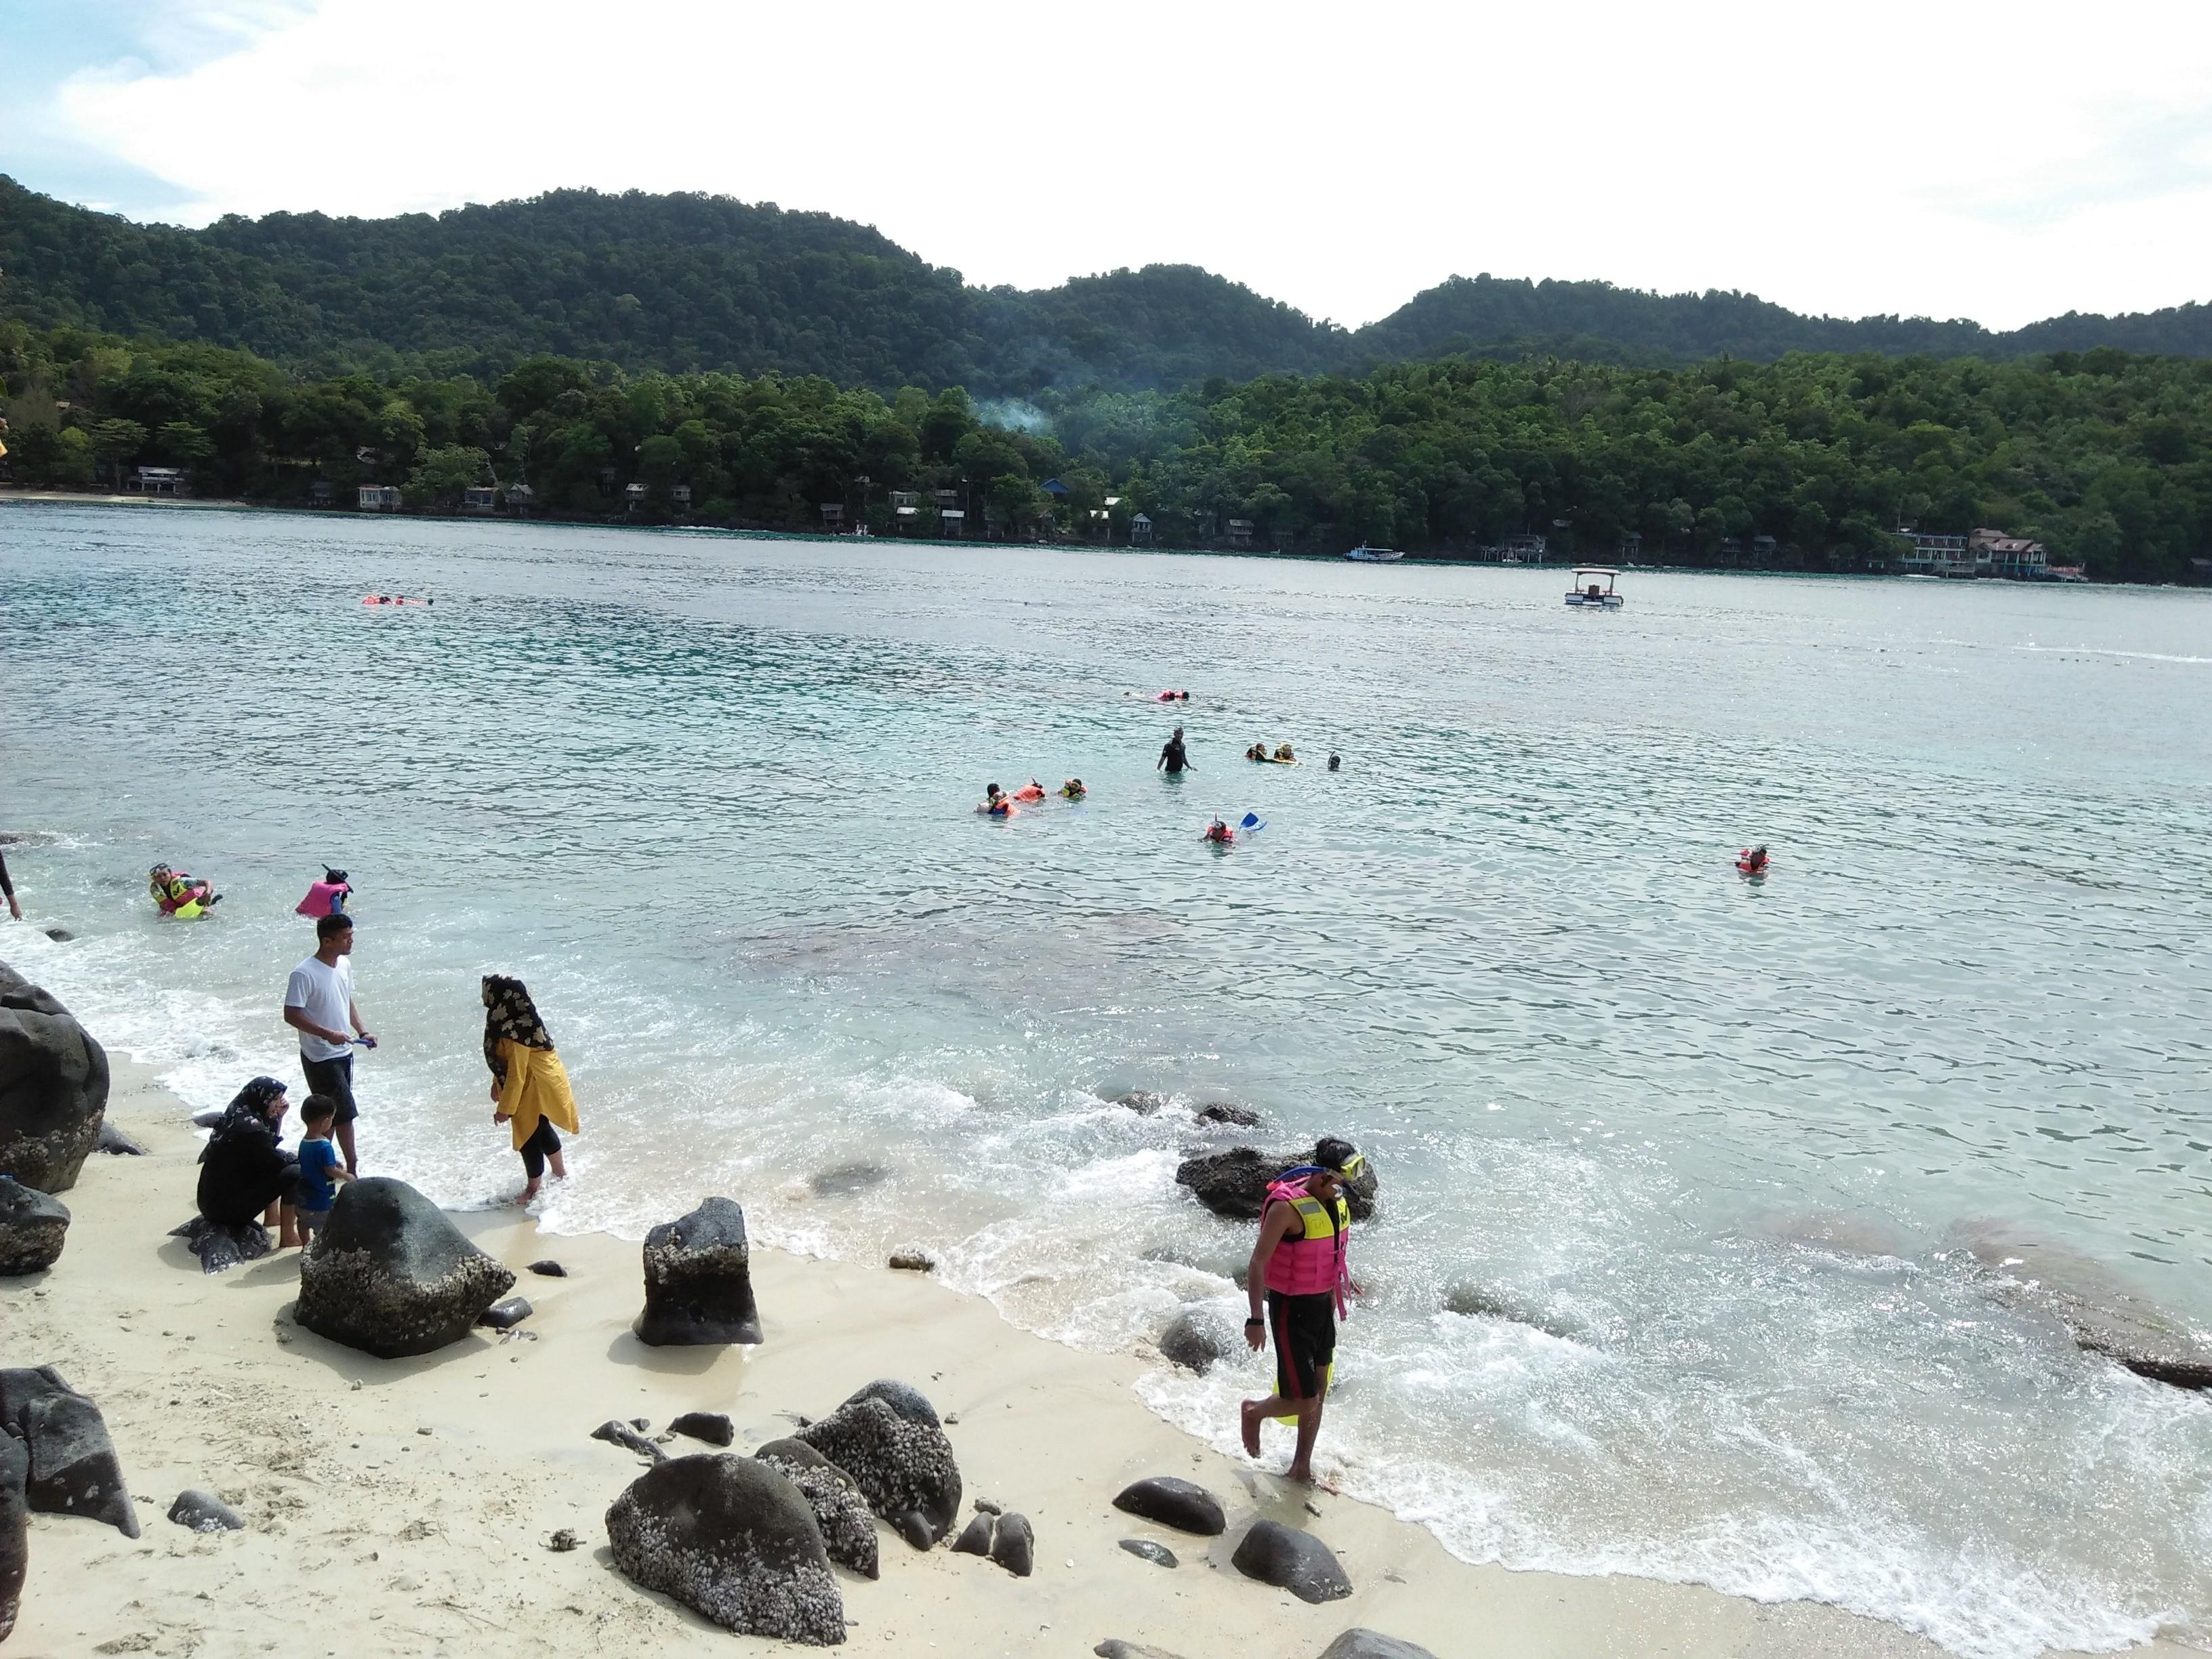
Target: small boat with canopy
{"points": [[1592, 589]]}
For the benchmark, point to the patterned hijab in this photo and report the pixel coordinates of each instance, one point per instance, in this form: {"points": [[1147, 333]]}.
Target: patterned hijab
{"points": [[510, 1014], [246, 1117]]}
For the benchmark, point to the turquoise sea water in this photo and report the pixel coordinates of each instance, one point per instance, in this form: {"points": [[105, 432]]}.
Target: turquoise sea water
{"points": [[1721, 1144]]}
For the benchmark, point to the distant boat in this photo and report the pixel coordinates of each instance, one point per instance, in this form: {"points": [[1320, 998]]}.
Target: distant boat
{"points": [[1367, 555], [1590, 593]]}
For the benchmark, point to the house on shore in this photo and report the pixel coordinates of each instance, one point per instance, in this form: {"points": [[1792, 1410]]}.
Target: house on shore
{"points": [[479, 498], [1997, 554], [1925, 555], [161, 481], [380, 498]]}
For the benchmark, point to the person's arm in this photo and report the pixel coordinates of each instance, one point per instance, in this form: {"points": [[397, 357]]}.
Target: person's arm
{"points": [[1278, 1223], [7, 889], [297, 1019], [359, 1030], [509, 1091]]}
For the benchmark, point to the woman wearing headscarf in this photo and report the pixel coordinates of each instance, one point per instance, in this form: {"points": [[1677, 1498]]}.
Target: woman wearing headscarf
{"points": [[246, 1174], [528, 1082]]}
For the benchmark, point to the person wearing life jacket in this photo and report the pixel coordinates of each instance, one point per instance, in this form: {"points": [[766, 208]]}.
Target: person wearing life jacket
{"points": [[1072, 790], [179, 895], [1302, 1266], [1219, 833], [997, 803], [326, 897], [1753, 860], [1283, 752], [1031, 791]]}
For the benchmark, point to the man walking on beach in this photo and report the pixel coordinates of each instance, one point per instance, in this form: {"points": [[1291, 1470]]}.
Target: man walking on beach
{"points": [[1300, 1261], [318, 1004], [1172, 758]]}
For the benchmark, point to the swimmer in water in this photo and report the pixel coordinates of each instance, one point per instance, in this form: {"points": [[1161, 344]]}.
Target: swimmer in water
{"points": [[1753, 860], [1283, 752], [1031, 791], [996, 802], [1336, 761], [1072, 790], [1219, 833]]}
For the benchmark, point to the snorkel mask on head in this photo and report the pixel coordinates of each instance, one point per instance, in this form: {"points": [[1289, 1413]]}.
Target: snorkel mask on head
{"points": [[1347, 1167]]}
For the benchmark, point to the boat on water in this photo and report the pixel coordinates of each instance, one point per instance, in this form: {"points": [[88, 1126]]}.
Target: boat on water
{"points": [[1592, 589], [1367, 555]]}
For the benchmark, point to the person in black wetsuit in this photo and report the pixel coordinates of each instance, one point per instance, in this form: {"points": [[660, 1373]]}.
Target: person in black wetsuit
{"points": [[245, 1175], [7, 889], [1172, 757]]}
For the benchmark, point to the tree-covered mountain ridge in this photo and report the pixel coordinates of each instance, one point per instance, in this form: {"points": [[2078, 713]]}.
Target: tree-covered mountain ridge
{"points": [[686, 283]]}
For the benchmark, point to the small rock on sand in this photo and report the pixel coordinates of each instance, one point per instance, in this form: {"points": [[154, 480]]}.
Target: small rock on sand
{"points": [[621, 1434], [1293, 1560], [548, 1268], [32, 1229], [203, 1511], [712, 1427], [1144, 1550], [112, 1139], [1357, 1644], [506, 1315], [913, 1262], [1174, 1502]]}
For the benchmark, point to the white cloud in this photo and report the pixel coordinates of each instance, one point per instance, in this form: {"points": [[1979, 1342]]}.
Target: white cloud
{"points": [[1932, 157]]}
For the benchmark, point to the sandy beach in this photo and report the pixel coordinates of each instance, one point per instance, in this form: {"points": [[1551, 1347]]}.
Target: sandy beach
{"points": [[405, 1507]]}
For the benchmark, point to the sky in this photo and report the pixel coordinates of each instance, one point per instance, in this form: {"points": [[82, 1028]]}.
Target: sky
{"points": [[1947, 158]]}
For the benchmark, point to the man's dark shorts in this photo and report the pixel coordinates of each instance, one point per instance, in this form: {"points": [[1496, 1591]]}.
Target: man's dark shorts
{"points": [[333, 1078], [1303, 1330]]}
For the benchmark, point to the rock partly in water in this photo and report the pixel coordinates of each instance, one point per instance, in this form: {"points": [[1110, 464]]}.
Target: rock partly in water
{"points": [[848, 1532], [2100, 1312], [73, 1467], [33, 1227], [203, 1511], [1357, 1644], [1193, 1341], [1293, 1560], [712, 1427], [1112, 1648], [1144, 1550], [506, 1315], [698, 1280], [904, 1398], [112, 1139], [846, 1179], [905, 1468], [914, 1261], [1234, 1183], [221, 1246], [547, 1269], [390, 1275], [1175, 1502], [14, 1527], [53, 1087], [616, 1432], [733, 1540], [60, 935], [1220, 1112], [1143, 1101], [1473, 1300]]}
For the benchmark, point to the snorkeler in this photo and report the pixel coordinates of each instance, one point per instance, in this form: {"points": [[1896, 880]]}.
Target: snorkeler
{"points": [[1753, 860], [1219, 833], [996, 802], [1072, 790], [1031, 791]]}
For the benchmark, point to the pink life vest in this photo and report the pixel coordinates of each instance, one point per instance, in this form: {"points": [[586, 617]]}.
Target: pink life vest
{"points": [[324, 898], [1309, 1260]]}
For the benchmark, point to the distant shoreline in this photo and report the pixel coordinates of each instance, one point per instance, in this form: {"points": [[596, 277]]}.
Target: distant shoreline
{"points": [[74, 498]]}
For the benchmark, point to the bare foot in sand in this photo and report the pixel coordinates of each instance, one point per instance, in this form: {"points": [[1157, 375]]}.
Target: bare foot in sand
{"points": [[527, 1194], [1307, 1477], [1249, 1414]]}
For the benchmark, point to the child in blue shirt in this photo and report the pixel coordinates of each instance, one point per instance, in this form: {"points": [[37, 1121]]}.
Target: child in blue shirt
{"points": [[321, 1168]]}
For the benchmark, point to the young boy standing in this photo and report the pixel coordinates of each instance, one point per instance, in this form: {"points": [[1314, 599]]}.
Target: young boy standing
{"points": [[321, 1169]]}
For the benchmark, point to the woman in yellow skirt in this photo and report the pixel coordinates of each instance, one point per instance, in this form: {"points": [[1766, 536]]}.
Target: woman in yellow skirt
{"points": [[528, 1082]]}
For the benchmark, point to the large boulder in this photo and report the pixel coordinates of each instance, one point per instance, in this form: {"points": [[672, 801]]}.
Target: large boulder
{"points": [[905, 1468], [32, 1228], [848, 1532], [73, 1468], [904, 1398], [391, 1276], [733, 1540], [53, 1087], [1173, 1502], [1356, 1643], [698, 1279], [1234, 1183], [1293, 1560], [14, 1527]]}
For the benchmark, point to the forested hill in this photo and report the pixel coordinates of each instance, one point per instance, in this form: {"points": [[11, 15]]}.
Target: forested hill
{"points": [[687, 283]]}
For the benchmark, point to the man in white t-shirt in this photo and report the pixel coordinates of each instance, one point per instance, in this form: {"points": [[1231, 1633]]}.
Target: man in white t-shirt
{"points": [[318, 1004]]}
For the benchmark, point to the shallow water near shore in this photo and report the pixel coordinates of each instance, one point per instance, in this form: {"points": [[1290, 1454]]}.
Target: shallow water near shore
{"points": [[1718, 1145]]}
